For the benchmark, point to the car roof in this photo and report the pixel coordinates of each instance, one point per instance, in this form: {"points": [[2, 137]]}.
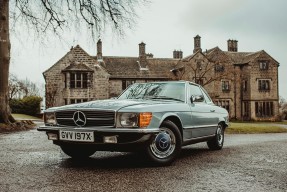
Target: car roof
{"points": [[180, 81]]}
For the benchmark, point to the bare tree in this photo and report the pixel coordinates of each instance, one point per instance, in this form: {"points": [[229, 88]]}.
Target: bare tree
{"points": [[21, 88], [199, 72], [14, 86], [51, 92], [282, 101], [53, 16]]}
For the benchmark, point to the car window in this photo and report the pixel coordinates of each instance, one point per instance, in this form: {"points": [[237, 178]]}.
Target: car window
{"points": [[195, 91], [165, 91], [206, 96]]}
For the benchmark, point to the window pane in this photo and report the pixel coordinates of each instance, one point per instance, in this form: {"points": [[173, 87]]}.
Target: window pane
{"points": [[206, 96], [85, 84], [227, 106], [72, 84], [72, 76], [195, 90], [85, 76], [78, 84], [78, 76], [124, 84]]}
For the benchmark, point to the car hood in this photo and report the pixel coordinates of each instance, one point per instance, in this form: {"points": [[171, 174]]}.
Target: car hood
{"points": [[110, 104]]}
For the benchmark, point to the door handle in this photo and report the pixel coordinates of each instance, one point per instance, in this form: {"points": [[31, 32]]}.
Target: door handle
{"points": [[212, 110]]}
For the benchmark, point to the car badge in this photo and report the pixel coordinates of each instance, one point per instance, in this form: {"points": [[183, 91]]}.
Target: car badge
{"points": [[79, 118]]}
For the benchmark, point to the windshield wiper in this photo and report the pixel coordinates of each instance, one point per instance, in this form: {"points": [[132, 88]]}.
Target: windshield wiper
{"points": [[164, 97]]}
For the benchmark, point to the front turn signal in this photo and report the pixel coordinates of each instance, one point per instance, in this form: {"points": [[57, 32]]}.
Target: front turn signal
{"points": [[145, 119]]}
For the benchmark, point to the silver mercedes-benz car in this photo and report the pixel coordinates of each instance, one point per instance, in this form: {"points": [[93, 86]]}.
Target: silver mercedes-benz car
{"points": [[156, 118]]}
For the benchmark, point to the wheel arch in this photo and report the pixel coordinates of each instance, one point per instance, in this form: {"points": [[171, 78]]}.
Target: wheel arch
{"points": [[176, 120], [223, 123]]}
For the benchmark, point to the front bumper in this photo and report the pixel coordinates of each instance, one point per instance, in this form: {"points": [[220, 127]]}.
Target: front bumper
{"points": [[127, 139]]}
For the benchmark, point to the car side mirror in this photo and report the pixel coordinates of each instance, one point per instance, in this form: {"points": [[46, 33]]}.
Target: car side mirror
{"points": [[196, 98]]}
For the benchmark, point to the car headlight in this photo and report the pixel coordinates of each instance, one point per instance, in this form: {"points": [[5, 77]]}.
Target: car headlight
{"points": [[49, 118], [128, 119], [133, 120]]}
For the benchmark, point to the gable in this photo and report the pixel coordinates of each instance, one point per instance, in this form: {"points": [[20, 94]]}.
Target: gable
{"points": [[76, 59], [265, 56], [216, 55]]}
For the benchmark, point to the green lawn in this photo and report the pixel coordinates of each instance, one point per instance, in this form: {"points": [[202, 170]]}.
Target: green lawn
{"points": [[246, 128]]}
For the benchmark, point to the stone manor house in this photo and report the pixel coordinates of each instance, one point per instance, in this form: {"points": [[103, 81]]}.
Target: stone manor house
{"points": [[245, 83]]}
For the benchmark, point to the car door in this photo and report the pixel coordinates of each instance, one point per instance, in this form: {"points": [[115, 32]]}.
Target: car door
{"points": [[203, 117]]}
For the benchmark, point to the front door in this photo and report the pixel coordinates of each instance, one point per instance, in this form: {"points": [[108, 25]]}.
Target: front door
{"points": [[203, 117]]}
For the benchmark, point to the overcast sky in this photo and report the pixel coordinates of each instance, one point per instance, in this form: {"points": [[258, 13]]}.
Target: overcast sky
{"points": [[166, 25]]}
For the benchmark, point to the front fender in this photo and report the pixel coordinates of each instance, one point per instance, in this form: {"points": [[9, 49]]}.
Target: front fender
{"points": [[224, 120], [158, 118]]}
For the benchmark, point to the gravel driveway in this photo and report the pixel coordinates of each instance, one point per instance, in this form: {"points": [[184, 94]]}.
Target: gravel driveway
{"points": [[257, 162]]}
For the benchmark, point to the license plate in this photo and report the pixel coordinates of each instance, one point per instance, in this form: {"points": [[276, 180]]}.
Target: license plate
{"points": [[77, 136]]}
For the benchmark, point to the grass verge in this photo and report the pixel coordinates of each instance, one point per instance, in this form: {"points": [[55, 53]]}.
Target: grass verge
{"points": [[249, 128], [23, 116]]}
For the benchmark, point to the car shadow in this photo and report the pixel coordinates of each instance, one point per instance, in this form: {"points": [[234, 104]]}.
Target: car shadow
{"points": [[118, 160]]}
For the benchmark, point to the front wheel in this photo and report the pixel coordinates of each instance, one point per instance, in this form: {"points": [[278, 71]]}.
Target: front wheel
{"points": [[77, 152], [217, 142], [166, 145]]}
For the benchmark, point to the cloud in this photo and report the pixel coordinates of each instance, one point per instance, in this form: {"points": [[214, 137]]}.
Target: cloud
{"points": [[250, 16]]}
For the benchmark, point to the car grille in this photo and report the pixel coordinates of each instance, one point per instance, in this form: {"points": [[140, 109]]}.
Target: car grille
{"points": [[93, 118]]}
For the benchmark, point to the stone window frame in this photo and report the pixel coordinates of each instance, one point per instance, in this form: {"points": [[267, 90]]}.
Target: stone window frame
{"points": [[78, 100], [264, 109], [79, 80], [219, 68], [127, 82], [244, 85], [225, 85], [264, 84], [224, 103], [263, 65], [245, 109]]}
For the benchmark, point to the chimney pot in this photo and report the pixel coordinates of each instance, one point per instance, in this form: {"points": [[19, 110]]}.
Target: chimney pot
{"points": [[99, 49], [232, 45], [197, 44]]}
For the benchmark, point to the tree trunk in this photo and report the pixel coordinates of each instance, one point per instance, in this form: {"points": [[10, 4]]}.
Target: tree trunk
{"points": [[5, 113]]}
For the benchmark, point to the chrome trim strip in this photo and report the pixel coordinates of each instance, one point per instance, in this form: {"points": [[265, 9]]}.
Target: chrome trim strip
{"points": [[97, 129], [88, 118], [100, 118], [203, 137], [202, 126]]}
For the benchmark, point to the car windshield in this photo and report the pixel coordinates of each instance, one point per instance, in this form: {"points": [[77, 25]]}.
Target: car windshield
{"points": [[166, 91]]}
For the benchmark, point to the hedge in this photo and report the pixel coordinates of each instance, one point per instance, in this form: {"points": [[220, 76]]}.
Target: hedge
{"points": [[28, 105]]}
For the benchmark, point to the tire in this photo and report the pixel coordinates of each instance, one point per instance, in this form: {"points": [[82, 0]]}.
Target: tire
{"points": [[166, 145], [77, 152], [217, 142]]}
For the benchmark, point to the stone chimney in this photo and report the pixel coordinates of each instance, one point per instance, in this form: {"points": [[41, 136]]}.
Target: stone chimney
{"points": [[99, 50], [142, 55], [197, 44], [142, 49], [232, 45], [177, 54]]}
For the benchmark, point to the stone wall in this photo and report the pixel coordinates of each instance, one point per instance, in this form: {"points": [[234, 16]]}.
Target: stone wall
{"points": [[98, 85]]}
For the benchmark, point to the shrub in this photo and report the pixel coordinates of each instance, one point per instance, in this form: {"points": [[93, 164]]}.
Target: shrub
{"points": [[28, 105]]}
